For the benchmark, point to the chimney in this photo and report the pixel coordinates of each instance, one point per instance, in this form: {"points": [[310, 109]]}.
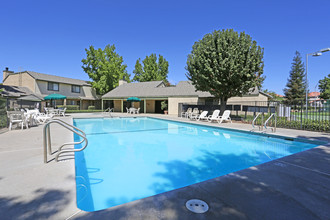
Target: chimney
{"points": [[122, 81], [6, 72]]}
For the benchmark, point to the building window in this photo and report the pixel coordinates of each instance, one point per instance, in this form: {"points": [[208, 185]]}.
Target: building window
{"points": [[75, 89], [53, 86]]}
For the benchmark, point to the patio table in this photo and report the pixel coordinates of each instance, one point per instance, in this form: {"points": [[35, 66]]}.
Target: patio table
{"points": [[54, 111], [133, 110]]}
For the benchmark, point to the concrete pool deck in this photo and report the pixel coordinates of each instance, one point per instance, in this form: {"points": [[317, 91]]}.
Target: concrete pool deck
{"points": [[293, 187]]}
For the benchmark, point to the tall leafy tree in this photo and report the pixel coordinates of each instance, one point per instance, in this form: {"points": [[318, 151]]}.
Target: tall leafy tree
{"points": [[151, 69], [105, 68], [324, 87], [296, 86], [226, 64]]}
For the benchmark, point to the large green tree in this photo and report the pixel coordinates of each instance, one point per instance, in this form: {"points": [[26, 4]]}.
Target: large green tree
{"points": [[324, 87], [105, 68], [296, 86], [226, 64], [151, 70]]}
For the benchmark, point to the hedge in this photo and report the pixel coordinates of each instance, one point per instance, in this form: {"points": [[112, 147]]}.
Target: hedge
{"points": [[91, 107], [82, 111], [69, 107]]}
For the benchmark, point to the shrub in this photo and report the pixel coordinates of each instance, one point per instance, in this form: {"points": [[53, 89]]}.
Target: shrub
{"points": [[163, 105], [82, 111], [91, 107]]}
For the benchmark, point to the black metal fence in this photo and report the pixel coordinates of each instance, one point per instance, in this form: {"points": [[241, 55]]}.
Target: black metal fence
{"points": [[316, 117]]}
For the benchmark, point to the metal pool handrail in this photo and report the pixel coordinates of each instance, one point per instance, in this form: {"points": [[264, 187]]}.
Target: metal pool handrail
{"points": [[255, 119], [272, 115], [47, 139]]}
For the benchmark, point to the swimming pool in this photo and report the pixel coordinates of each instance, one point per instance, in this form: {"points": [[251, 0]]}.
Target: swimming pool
{"points": [[133, 158]]}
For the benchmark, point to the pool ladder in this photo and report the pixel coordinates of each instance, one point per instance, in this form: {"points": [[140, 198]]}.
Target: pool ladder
{"points": [[254, 120], [265, 125], [262, 122], [47, 139]]}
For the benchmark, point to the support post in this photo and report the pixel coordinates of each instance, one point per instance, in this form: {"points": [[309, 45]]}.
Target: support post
{"points": [[145, 105], [122, 105]]}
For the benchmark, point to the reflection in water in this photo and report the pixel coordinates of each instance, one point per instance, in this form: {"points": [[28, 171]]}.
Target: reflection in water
{"points": [[227, 136]]}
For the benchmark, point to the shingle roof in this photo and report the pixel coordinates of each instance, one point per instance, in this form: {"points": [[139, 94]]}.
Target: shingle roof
{"points": [[157, 89], [16, 91], [53, 78]]}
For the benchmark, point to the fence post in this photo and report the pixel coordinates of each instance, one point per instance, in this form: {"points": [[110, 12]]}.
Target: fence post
{"points": [[301, 119]]}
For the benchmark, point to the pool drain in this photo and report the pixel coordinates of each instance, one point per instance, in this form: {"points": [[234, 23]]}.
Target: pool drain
{"points": [[197, 206]]}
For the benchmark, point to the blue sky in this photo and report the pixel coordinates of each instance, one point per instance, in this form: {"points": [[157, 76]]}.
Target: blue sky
{"points": [[51, 36]]}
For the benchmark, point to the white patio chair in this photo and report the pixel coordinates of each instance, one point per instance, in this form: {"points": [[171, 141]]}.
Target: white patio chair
{"points": [[225, 117], [17, 117], [31, 115], [128, 111], [138, 111], [186, 114], [214, 116], [62, 112], [193, 114], [202, 116]]}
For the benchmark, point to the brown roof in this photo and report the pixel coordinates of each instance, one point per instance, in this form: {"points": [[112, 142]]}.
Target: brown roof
{"points": [[53, 78]]}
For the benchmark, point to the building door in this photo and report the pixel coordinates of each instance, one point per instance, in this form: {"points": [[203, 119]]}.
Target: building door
{"points": [[158, 106]]}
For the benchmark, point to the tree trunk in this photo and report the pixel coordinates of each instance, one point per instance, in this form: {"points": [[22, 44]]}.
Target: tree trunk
{"points": [[223, 103]]}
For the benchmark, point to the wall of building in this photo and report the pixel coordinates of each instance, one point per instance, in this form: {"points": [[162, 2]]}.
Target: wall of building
{"points": [[248, 99], [21, 79], [150, 106], [117, 105], [173, 103], [64, 89]]}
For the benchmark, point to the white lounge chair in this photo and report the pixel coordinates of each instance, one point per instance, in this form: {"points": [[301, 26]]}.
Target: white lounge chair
{"points": [[138, 111], [202, 116], [214, 116], [225, 117], [42, 118], [128, 111]]}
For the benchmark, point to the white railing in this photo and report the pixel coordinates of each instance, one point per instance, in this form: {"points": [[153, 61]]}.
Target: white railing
{"points": [[265, 125], [254, 120], [47, 139]]}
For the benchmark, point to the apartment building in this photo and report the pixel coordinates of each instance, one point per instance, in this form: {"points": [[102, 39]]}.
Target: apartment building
{"points": [[78, 92]]}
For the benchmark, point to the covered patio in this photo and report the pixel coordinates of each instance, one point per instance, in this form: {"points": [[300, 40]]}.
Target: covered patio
{"points": [[146, 105]]}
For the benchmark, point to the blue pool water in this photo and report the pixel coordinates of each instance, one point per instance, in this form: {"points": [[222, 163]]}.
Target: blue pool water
{"points": [[133, 158]]}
